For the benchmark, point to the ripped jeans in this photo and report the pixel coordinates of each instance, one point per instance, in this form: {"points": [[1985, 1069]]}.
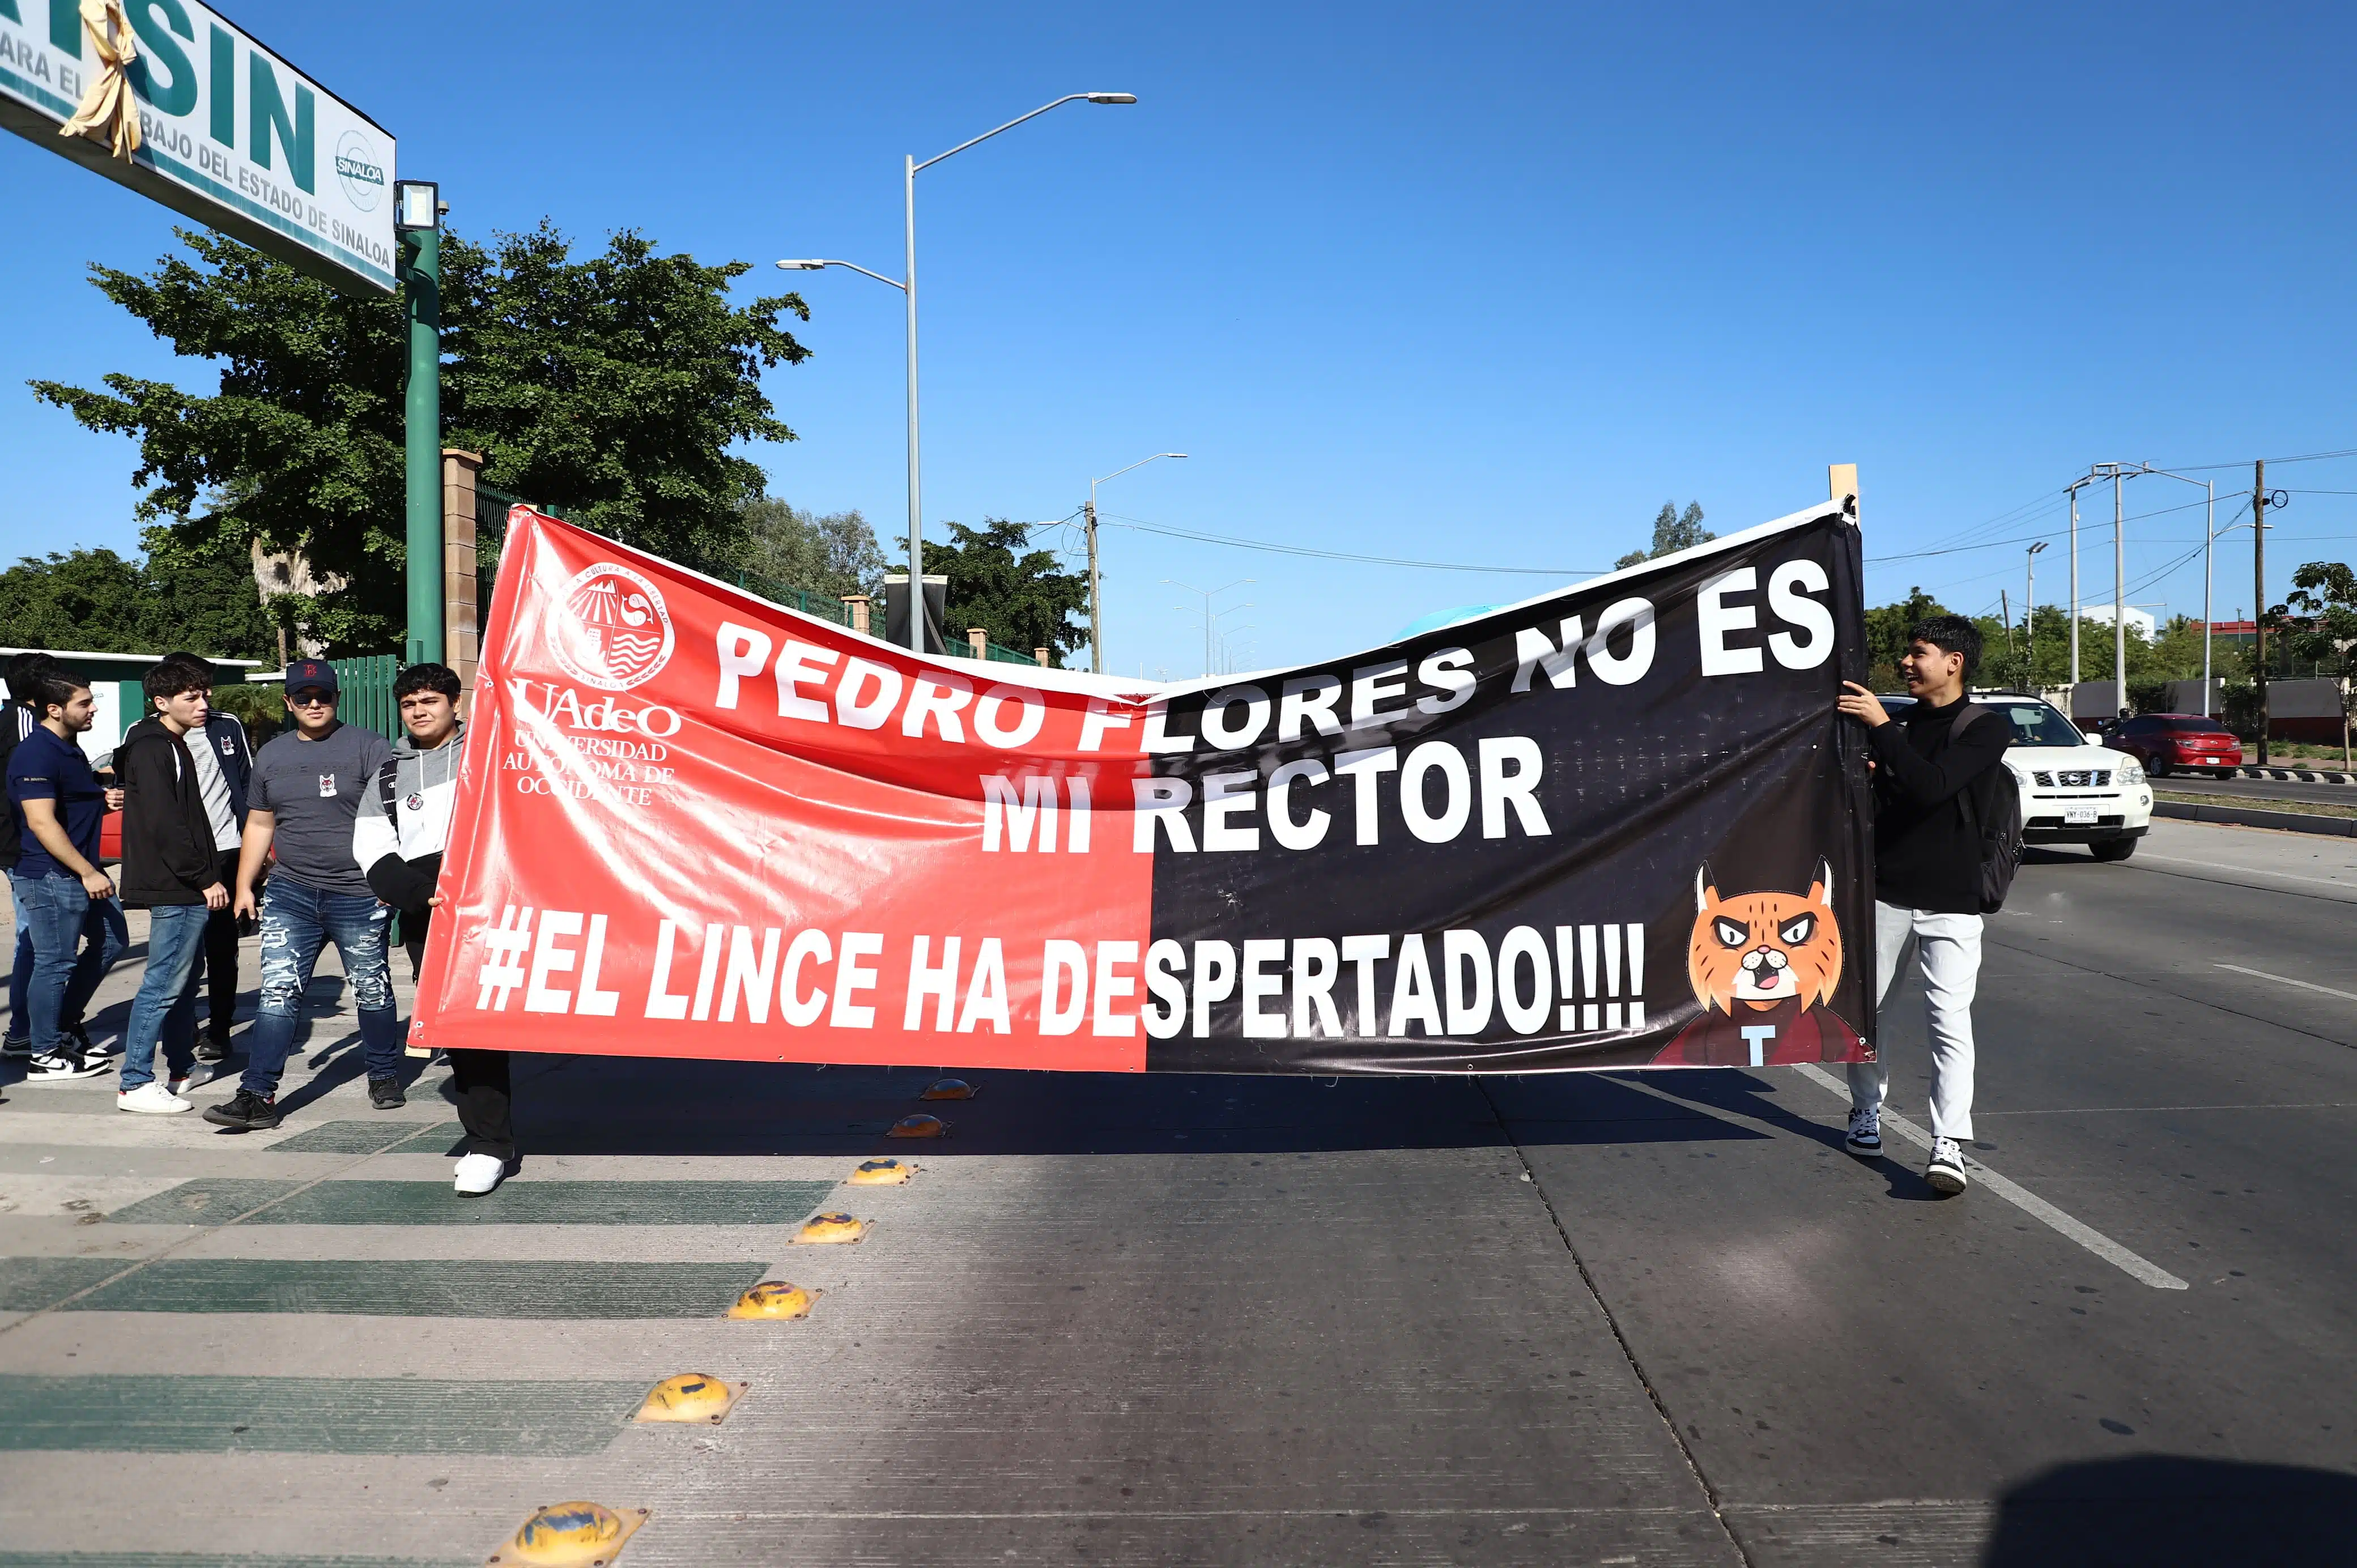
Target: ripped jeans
{"points": [[296, 922]]}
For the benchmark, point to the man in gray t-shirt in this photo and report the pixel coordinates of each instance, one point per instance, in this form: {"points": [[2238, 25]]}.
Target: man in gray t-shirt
{"points": [[304, 795]]}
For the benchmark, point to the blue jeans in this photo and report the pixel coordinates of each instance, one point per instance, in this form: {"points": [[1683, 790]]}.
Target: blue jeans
{"points": [[296, 922], [61, 918], [166, 1006]]}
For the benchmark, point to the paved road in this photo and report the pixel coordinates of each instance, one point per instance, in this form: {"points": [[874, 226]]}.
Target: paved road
{"points": [[1630, 1319], [2257, 792]]}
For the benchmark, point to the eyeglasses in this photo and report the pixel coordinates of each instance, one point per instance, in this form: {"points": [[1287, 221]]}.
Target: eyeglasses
{"points": [[313, 700]]}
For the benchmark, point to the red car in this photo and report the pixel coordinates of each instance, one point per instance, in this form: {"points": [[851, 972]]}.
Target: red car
{"points": [[2166, 742]]}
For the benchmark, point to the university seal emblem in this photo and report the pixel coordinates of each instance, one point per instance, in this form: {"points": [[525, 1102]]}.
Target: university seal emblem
{"points": [[611, 631]]}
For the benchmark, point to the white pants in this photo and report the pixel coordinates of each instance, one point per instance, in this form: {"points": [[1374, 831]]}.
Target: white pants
{"points": [[1948, 947]]}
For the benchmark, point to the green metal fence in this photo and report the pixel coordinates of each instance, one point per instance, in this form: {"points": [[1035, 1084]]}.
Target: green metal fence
{"points": [[367, 693]]}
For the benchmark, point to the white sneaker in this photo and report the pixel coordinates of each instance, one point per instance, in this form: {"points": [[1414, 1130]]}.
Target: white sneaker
{"points": [[58, 1067], [478, 1174], [152, 1099], [1946, 1170], [197, 1077], [1865, 1138]]}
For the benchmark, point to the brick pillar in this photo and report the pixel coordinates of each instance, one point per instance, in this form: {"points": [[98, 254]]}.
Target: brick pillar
{"points": [[1041, 655], [857, 605], [459, 639], [976, 637]]}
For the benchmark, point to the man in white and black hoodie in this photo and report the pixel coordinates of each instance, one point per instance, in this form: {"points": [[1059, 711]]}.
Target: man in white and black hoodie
{"points": [[398, 839]]}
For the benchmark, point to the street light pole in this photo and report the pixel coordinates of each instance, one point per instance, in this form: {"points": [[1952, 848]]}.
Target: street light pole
{"points": [[907, 284], [1209, 595], [2208, 544], [2029, 614], [1096, 607], [417, 214], [2119, 597]]}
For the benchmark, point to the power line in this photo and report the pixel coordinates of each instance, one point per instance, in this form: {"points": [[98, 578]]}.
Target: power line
{"points": [[1202, 538]]}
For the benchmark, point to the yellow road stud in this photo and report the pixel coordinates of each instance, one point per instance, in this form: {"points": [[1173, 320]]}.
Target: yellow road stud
{"points": [[774, 1299], [821, 1230], [882, 1173], [691, 1396], [919, 1126], [570, 1535], [950, 1089]]}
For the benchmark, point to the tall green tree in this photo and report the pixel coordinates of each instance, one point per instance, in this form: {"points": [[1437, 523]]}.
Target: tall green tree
{"points": [[831, 555], [1673, 532], [95, 599], [2319, 623], [617, 386], [1023, 595]]}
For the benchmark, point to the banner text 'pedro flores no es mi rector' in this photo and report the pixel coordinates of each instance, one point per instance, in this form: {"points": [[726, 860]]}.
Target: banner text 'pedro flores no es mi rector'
{"points": [[1619, 825]]}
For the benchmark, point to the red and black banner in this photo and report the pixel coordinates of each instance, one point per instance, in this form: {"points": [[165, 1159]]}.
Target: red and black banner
{"points": [[1619, 825]]}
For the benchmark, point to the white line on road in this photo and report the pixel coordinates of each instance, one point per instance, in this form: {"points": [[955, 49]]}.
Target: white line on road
{"points": [[2343, 883], [2021, 1197], [2287, 979]]}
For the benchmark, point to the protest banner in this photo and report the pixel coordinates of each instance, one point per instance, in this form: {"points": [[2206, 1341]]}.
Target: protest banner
{"points": [[1617, 825]]}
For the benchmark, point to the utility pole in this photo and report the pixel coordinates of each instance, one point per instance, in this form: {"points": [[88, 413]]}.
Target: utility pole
{"points": [[2259, 595], [1096, 608], [2119, 598], [2005, 613]]}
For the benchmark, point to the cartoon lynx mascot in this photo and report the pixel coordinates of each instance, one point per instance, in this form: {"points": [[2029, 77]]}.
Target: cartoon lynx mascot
{"points": [[1764, 966]]}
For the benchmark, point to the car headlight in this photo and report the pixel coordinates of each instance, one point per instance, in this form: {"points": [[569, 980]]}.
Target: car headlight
{"points": [[2129, 772]]}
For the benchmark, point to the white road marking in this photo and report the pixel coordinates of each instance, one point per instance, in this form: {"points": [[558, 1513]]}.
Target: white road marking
{"points": [[2287, 979], [2343, 883], [2021, 1197]]}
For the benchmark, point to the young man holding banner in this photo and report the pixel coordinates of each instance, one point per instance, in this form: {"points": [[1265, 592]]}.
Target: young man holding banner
{"points": [[398, 839], [1927, 875]]}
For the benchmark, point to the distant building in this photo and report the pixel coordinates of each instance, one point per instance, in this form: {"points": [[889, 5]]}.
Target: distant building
{"points": [[2138, 621]]}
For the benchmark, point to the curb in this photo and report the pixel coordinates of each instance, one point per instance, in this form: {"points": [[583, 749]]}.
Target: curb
{"points": [[2297, 775], [2242, 817]]}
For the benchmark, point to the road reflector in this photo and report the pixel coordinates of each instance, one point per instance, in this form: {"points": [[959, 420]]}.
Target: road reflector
{"points": [[883, 1173], [822, 1229], [950, 1089], [691, 1396], [919, 1126], [571, 1535], [774, 1299]]}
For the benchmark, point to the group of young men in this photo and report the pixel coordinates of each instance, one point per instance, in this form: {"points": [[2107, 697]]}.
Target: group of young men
{"points": [[326, 834]]}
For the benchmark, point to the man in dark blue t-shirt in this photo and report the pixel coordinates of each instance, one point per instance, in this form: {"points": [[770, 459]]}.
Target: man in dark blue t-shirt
{"points": [[67, 899]]}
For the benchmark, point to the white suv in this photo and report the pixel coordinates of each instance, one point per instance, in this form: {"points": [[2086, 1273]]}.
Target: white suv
{"points": [[2073, 789]]}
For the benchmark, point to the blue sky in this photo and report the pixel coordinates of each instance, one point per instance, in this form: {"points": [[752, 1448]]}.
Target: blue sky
{"points": [[1475, 284]]}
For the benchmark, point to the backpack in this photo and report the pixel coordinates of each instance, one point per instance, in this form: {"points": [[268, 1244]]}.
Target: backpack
{"points": [[1995, 823]]}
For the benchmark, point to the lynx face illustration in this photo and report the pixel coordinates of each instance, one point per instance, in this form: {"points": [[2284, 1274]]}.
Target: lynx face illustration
{"points": [[1765, 966], [1761, 949]]}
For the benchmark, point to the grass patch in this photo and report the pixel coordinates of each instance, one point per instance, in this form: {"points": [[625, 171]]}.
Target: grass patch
{"points": [[2246, 803]]}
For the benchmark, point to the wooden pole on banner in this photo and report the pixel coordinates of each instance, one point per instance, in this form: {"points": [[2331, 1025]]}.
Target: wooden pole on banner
{"points": [[1841, 482]]}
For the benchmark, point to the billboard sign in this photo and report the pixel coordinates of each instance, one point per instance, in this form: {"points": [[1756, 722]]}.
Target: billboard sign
{"points": [[231, 134]]}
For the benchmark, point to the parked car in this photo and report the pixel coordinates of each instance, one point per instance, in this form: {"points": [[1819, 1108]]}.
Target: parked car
{"points": [[2166, 742], [2074, 789]]}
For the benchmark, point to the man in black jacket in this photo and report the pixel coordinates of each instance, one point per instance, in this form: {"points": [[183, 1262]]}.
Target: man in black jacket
{"points": [[224, 761], [1927, 857], [171, 868]]}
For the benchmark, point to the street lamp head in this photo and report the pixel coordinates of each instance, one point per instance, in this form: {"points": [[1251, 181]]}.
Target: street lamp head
{"points": [[1174, 454], [801, 266], [1111, 97], [418, 205], [2037, 547]]}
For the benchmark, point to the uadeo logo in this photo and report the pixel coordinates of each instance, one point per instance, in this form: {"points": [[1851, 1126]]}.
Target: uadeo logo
{"points": [[611, 632], [358, 166]]}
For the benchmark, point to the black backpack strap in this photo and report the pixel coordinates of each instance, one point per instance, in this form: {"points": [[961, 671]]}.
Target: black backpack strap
{"points": [[1966, 712]]}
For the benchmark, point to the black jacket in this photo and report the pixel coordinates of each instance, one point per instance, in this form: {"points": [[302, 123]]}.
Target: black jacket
{"points": [[167, 840], [1925, 855]]}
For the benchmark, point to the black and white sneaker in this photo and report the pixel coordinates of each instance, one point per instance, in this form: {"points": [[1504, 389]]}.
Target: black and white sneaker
{"points": [[212, 1052], [81, 1038], [1946, 1170], [59, 1067], [244, 1111], [1865, 1138], [384, 1093]]}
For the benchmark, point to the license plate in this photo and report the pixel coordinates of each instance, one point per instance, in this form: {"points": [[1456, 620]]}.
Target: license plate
{"points": [[2078, 816]]}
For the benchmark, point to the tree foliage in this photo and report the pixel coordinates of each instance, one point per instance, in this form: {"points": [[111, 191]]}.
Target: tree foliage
{"points": [[1020, 594], [830, 556], [614, 386], [2319, 623], [1673, 532], [96, 600]]}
